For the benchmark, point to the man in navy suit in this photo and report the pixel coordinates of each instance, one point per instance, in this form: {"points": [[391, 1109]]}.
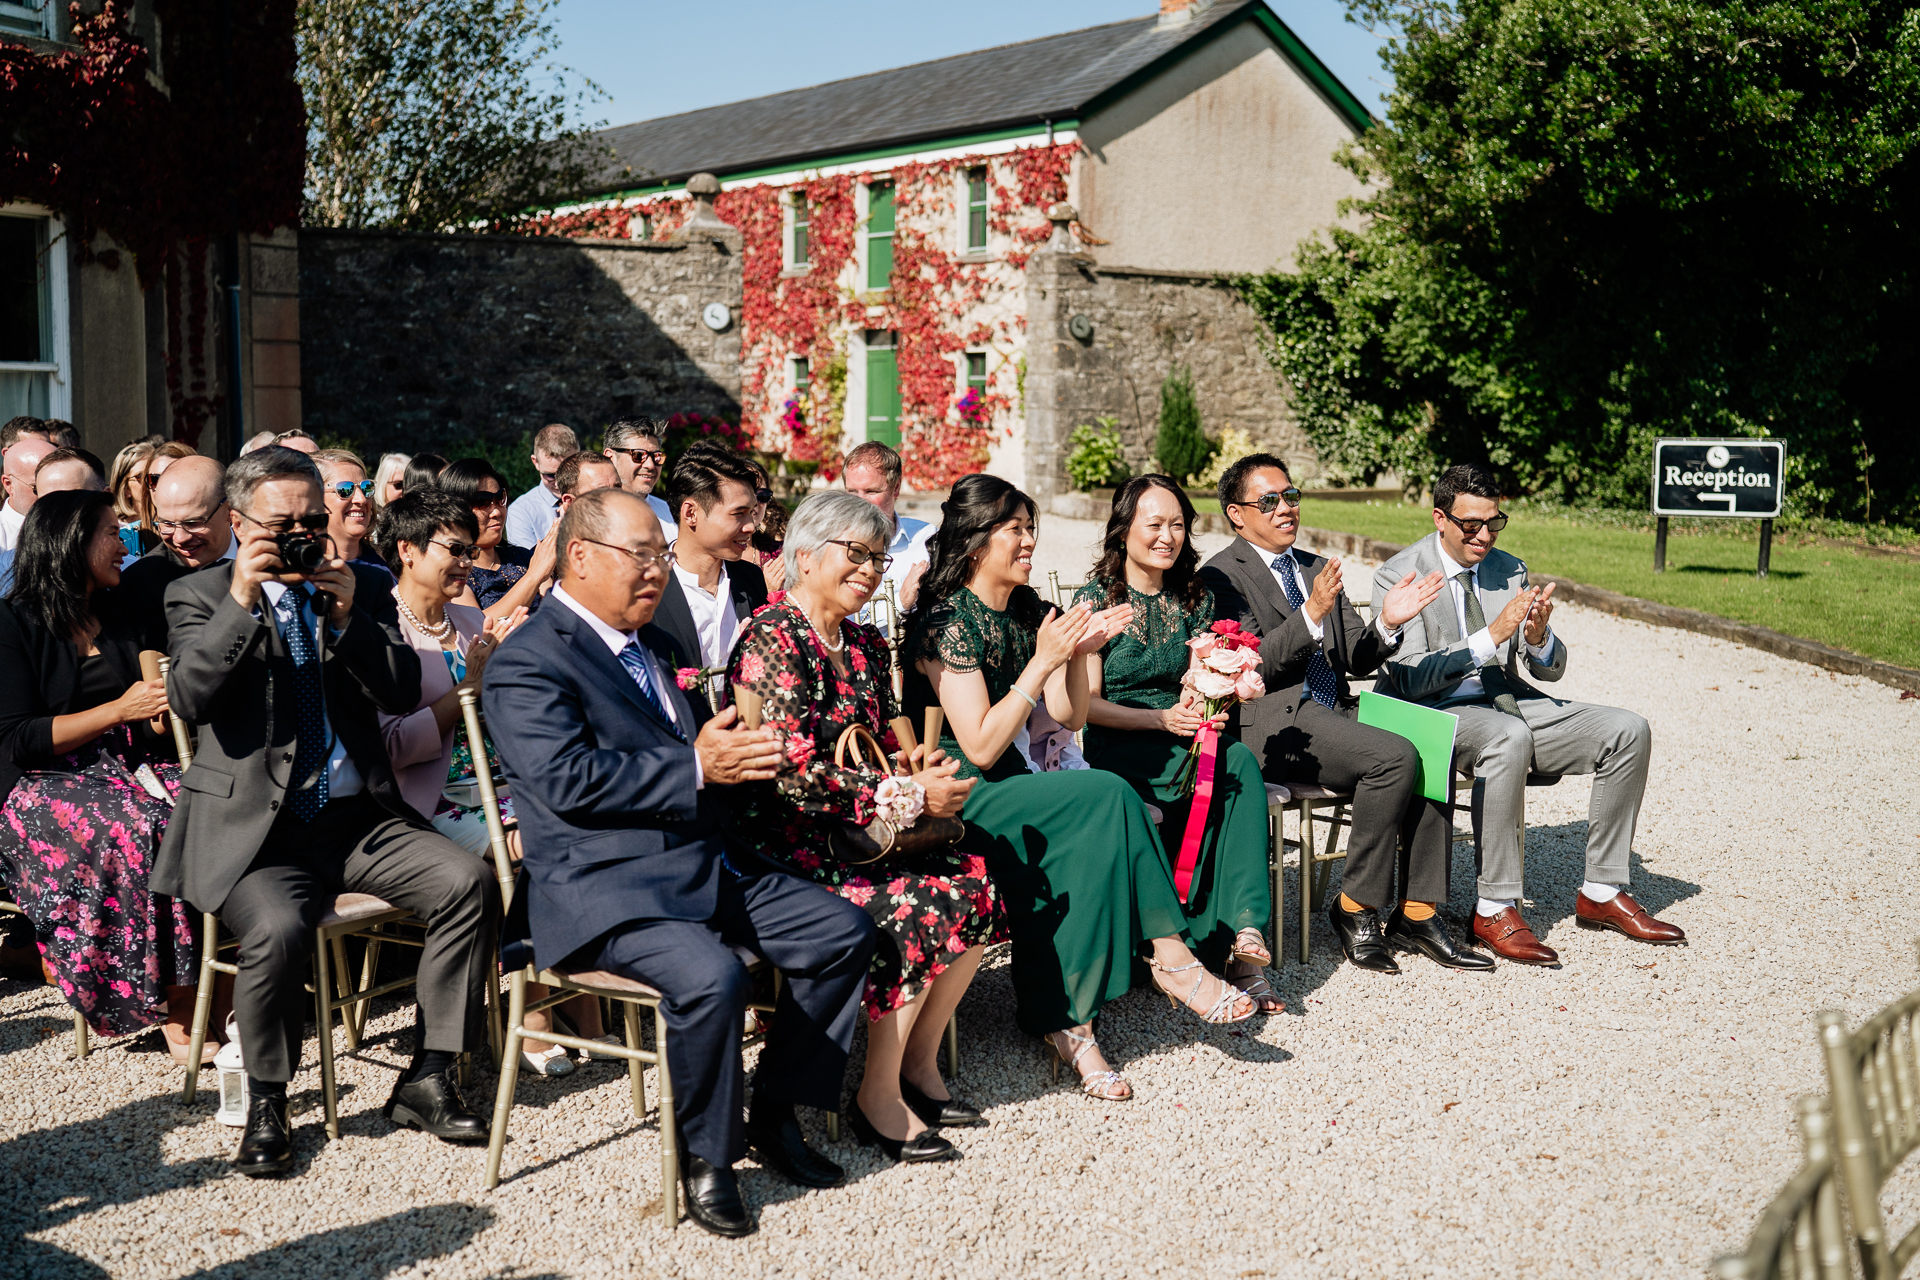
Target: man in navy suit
{"points": [[615, 779]]}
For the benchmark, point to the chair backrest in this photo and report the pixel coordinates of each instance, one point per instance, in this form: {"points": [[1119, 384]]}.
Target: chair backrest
{"points": [[1801, 1235], [489, 798], [182, 740], [1873, 1078]]}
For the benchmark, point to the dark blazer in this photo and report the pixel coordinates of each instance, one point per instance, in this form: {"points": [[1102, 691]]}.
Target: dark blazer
{"points": [[611, 822], [229, 670], [1241, 579], [144, 583], [42, 678], [747, 582]]}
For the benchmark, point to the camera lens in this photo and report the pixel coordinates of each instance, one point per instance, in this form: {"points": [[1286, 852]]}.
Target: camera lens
{"points": [[302, 553]]}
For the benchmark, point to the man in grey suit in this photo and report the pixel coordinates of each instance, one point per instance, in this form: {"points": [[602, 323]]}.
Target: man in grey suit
{"points": [[291, 800], [1465, 653]]}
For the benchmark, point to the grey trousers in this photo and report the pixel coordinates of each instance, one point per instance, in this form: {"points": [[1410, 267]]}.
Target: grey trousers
{"points": [[355, 846], [1613, 745]]}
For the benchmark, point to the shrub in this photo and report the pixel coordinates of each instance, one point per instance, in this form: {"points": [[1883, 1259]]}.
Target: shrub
{"points": [[1096, 457], [1233, 444], [1181, 447]]}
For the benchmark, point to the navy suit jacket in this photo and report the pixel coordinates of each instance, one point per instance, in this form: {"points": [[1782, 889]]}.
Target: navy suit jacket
{"points": [[612, 826]]}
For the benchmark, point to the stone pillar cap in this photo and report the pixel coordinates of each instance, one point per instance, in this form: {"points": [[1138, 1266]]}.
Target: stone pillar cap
{"points": [[1061, 212], [703, 184]]}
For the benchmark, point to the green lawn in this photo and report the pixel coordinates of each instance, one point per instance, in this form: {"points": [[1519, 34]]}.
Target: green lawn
{"points": [[1836, 596]]}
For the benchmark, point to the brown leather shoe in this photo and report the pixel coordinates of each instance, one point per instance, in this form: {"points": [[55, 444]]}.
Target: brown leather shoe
{"points": [[1622, 914], [1507, 934]]}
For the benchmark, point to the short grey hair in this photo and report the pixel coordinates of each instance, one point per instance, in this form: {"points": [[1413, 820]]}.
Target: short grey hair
{"points": [[622, 434], [826, 516], [251, 470]]}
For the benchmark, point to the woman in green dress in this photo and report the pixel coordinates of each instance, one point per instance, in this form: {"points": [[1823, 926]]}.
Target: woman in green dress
{"points": [[1076, 859], [1141, 721]]}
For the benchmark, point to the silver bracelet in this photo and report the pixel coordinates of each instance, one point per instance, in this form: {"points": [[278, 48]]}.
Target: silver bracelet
{"points": [[1023, 693]]}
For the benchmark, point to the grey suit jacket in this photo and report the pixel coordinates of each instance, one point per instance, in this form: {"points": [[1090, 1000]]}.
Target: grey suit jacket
{"points": [[230, 670], [1433, 656]]}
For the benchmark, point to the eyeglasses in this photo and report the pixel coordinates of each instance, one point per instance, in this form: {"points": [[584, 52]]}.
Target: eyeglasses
{"points": [[860, 555], [458, 550], [483, 501], [315, 522], [640, 457], [644, 559], [1266, 502], [343, 489], [196, 526], [1472, 528]]}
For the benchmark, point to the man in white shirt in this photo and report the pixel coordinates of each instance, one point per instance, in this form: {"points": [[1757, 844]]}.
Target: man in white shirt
{"points": [[711, 590], [638, 454], [16, 478], [873, 472], [1466, 653], [533, 512]]}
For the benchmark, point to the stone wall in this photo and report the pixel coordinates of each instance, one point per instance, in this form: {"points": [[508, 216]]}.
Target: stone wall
{"points": [[415, 342], [1143, 324]]}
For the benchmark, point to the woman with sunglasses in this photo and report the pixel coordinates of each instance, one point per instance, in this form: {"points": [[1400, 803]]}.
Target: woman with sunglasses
{"points": [[349, 497], [127, 482], [504, 577]]}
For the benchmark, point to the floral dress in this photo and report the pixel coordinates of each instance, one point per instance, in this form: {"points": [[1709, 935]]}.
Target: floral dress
{"points": [[930, 908]]}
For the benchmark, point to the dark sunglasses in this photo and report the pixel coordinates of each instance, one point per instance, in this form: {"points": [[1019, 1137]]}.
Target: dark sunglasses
{"points": [[1266, 502], [1472, 528], [314, 523], [482, 501], [860, 555], [343, 489], [458, 550], [763, 496], [640, 457]]}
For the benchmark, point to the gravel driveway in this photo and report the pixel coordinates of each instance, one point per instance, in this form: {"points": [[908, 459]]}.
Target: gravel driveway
{"points": [[1626, 1115]]}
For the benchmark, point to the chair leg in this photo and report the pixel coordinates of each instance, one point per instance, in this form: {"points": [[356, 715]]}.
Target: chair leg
{"points": [[953, 1047], [1276, 849], [1306, 881], [509, 1074], [833, 1126], [354, 1017], [202, 1002], [669, 1130], [323, 1023], [81, 1044], [636, 1069]]}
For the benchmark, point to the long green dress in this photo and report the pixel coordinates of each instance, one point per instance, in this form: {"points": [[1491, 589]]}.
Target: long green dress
{"points": [[1142, 667], [1074, 854]]}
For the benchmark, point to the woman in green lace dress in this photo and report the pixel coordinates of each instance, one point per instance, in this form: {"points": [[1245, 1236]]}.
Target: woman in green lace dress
{"points": [[1079, 866], [1141, 722]]}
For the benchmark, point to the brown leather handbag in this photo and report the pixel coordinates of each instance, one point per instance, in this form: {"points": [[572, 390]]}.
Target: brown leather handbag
{"points": [[857, 846]]}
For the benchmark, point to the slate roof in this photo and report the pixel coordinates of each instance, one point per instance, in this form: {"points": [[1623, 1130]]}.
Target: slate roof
{"points": [[1014, 85]]}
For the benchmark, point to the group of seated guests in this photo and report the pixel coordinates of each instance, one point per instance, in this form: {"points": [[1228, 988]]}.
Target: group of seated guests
{"points": [[667, 727]]}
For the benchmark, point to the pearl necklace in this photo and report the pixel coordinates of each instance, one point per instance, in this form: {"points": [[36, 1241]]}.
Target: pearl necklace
{"points": [[830, 648], [441, 632]]}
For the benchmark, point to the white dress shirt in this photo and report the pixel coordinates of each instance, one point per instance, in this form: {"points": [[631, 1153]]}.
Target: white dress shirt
{"points": [[531, 515], [1485, 652], [10, 522], [343, 776], [713, 616], [668, 528], [1290, 565], [619, 640], [908, 548]]}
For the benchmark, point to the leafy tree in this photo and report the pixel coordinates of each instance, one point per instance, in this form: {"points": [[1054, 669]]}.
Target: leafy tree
{"points": [[1180, 447], [1596, 222], [428, 115]]}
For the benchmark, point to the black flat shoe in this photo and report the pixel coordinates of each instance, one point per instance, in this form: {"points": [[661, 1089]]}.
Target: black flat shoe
{"points": [[1360, 938], [266, 1148], [434, 1105], [784, 1150], [924, 1149], [940, 1113], [713, 1198], [1431, 938]]}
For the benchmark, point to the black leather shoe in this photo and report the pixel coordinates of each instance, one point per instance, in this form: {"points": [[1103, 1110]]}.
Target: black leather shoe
{"points": [[266, 1148], [1361, 938], [940, 1113], [1432, 939], [713, 1198], [925, 1149], [784, 1150], [433, 1104]]}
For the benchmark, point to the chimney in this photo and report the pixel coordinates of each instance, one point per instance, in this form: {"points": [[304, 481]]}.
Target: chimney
{"points": [[1174, 13]]}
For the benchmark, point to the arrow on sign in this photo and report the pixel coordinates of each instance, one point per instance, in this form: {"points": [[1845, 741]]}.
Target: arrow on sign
{"points": [[1717, 497]]}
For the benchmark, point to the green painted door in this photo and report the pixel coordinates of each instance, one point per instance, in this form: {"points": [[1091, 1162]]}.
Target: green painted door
{"points": [[883, 396]]}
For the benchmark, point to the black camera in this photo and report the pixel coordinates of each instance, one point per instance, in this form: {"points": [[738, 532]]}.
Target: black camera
{"points": [[302, 551]]}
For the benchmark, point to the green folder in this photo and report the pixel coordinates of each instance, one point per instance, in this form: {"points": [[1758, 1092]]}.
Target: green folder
{"points": [[1430, 732]]}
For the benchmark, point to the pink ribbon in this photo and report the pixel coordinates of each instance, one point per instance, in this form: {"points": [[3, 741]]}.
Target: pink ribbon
{"points": [[1197, 814]]}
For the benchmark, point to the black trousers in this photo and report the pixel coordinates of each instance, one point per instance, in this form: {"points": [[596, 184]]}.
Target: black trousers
{"points": [[1395, 828], [355, 846], [821, 944]]}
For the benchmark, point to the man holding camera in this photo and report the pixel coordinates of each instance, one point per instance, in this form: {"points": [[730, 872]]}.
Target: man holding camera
{"points": [[284, 658]]}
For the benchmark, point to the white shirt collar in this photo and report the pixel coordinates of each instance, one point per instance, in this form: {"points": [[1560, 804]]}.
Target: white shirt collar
{"points": [[614, 640], [1454, 567]]}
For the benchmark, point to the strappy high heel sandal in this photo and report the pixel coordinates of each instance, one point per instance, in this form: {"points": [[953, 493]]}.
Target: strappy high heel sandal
{"points": [[1250, 947], [1221, 1011], [1106, 1086]]}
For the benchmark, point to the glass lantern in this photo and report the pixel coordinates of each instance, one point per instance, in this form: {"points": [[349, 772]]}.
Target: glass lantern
{"points": [[232, 1075]]}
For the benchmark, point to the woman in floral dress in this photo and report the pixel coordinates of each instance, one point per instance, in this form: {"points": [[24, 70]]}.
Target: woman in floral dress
{"points": [[1141, 723], [810, 672], [86, 785]]}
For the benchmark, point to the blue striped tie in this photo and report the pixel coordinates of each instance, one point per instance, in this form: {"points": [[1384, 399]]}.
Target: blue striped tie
{"points": [[310, 718], [634, 659], [1322, 686]]}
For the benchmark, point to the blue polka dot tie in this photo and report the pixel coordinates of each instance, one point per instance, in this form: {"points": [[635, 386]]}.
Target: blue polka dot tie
{"points": [[1322, 685], [310, 720], [634, 659]]}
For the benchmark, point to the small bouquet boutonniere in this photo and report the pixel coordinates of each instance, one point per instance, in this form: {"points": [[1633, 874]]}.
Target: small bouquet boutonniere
{"points": [[1222, 671], [708, 680]]}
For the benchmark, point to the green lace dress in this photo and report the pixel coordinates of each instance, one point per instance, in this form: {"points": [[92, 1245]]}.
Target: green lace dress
{"points": [[1142, 667], [1074, 854]]}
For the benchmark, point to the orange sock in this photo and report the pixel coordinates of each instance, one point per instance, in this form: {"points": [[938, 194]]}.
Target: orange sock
{"points": [[1349, 906], [1417, 910]]}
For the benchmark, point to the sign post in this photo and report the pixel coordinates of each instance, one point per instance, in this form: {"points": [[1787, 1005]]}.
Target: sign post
{"points": [[1737, 479]]}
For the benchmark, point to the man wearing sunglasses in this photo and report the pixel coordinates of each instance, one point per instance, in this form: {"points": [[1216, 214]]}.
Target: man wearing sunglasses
{"points": [[634, 445], [712, 588], [1307, 730], [533, 512], [1466, 653], [195, 525]]}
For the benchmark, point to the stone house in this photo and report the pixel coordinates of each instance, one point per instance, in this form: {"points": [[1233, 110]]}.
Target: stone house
{"points": [[969, 257]]}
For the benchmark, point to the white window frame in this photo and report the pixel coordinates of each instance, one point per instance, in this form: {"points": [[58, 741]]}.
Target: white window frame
{"points": [[791, 201], [59, 320], [27, 18], [965, 220]]}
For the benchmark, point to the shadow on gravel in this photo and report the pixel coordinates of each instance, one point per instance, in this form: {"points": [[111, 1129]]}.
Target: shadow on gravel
{"points": [[378, 1248]]}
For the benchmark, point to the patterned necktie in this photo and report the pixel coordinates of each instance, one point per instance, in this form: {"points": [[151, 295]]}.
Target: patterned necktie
{"points": [[310, 720], [1492, 678], [1322, 685], [634, 659]]}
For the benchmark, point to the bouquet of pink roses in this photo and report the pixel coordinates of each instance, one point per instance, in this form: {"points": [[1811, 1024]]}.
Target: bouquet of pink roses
{"points": [[1222, 671]]}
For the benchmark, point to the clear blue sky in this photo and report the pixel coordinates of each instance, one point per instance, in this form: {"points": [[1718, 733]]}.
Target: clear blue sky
{"points": [[658, 57]]}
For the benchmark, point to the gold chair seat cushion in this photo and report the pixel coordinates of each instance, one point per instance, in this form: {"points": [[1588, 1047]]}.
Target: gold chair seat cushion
{"points": [[349, 907], [1277, 794], [1314, 791], [601, 980]]}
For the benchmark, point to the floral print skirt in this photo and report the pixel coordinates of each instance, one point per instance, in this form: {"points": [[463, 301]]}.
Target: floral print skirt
{"points": [[76, 847]]}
